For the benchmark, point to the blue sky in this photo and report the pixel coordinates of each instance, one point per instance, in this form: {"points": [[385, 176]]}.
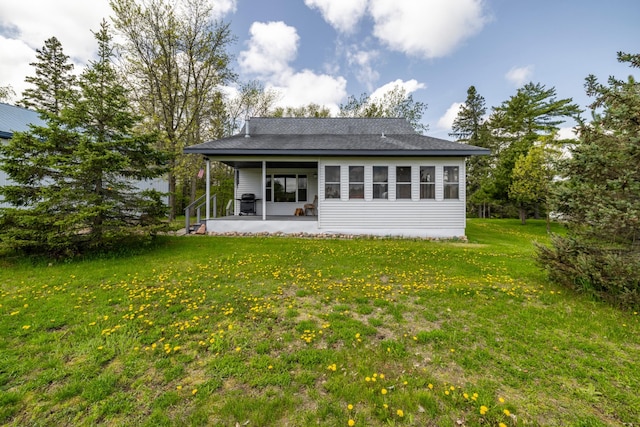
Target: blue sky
{"points": [[324, 50]]}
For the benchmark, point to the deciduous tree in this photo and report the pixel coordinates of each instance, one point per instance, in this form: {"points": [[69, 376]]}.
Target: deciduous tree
{"points": [[176, 59], [393, 103]]}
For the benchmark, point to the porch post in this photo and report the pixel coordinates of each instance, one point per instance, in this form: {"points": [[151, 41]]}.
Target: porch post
{"points": [[208, 190], [264, 185]]}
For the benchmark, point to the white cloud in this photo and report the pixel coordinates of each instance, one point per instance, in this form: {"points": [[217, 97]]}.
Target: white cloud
{"points": [[305, 87], [567, 133], [343, 15], [518, 76], [271, 49], [224, 7], [25, 25], [426, 28], [446, 121], [361, 61], [409, 86]]}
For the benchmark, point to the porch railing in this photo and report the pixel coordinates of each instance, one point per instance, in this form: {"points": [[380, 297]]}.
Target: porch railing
{"points": [[197, 205]]}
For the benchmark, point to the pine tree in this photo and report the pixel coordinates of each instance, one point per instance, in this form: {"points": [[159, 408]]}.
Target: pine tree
{"points": [[600, 198], [470, 127], [53, 83], [74, 178], [515, 125]]}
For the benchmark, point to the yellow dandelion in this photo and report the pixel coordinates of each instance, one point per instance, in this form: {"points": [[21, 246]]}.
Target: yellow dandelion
{"points": [[430, 386], [465, 395], [502, 425], [446, 392], [25, 327], [400, 413], [194, 391], [383, 391], [367, 379], [270, 367], [179, 387], [506, 412], [483, 410], [501, 400], [351, 422], [381, 376], [350, 406]]}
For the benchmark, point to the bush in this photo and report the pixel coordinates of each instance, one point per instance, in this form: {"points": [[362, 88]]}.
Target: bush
{"points": [[609, 274]]}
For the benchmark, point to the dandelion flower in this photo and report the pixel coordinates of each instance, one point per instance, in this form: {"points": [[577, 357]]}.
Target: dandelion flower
{"points": [[502, 425], [383, 391], [430, 386], [179, 387], [194, 391], [400, 413], [350, 406], [483, 410], [501, 400], [506, 412], [351, 422]]}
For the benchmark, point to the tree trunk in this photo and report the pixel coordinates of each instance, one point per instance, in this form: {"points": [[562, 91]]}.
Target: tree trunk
{"points": [[172, 195], [523, 215], [536, 211]]}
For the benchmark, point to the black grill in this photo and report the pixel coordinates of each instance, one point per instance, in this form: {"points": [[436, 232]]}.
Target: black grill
{"points": [[248, 204]]}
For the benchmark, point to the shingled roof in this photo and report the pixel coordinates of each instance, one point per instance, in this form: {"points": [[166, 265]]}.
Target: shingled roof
{"points": [[331, 137]]}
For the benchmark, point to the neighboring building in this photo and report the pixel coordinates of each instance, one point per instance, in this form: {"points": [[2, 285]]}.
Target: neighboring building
{"points": [[17, 119], [371, 176], [14, 119]]}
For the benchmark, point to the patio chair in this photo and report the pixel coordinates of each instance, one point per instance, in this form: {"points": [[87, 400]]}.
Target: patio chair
{"points": [[313, 207]]}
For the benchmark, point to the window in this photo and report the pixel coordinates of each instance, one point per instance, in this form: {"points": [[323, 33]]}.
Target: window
{"points": [[427, 182], [451, 182], [356, 182], [332, 182], [403, 182], [284, 188], [267, 190], [302, 188], [380, 182]]}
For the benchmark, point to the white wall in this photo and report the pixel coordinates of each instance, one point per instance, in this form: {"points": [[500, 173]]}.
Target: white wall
{"points": [[442, 218]]}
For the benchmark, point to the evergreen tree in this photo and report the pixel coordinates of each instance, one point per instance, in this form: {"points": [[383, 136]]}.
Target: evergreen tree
{"points": [[53, 83], [470, 127], [600, 198], [515, 125], [6, 93], [74, 178]]}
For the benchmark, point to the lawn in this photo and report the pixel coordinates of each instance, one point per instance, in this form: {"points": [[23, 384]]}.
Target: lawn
{"points": [[275, 331]]}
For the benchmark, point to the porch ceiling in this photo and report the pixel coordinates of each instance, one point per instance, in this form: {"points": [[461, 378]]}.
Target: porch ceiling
{"points": [[244, 164]]}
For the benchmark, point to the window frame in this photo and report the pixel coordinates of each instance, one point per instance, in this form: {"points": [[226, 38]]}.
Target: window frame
{"points": [[380, 188], [449, 186], [403, 184], [428, 187], [330, 187], [356, 188]]}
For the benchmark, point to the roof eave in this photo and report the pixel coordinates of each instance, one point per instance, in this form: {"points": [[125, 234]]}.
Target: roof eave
{"points": [[338, 153]]}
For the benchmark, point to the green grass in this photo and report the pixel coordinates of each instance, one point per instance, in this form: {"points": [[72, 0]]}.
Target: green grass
{"points": [[275, 331]]}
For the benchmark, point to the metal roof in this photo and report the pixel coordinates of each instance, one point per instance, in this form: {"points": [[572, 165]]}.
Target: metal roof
{"points": [[331, 137], [16, 119]]}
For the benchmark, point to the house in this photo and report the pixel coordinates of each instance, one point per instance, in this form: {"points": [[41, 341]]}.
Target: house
{"points": [[17, 119], [371, 176]]}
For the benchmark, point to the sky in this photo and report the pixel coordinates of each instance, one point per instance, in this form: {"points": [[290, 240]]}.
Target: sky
{"points": [[323, 51]]}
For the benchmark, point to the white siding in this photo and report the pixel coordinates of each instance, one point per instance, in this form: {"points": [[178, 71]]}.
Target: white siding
{"points": [[438, 218]]}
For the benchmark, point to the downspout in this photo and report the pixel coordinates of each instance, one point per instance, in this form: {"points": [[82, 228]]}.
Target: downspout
{"points": [[264, 186]]}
